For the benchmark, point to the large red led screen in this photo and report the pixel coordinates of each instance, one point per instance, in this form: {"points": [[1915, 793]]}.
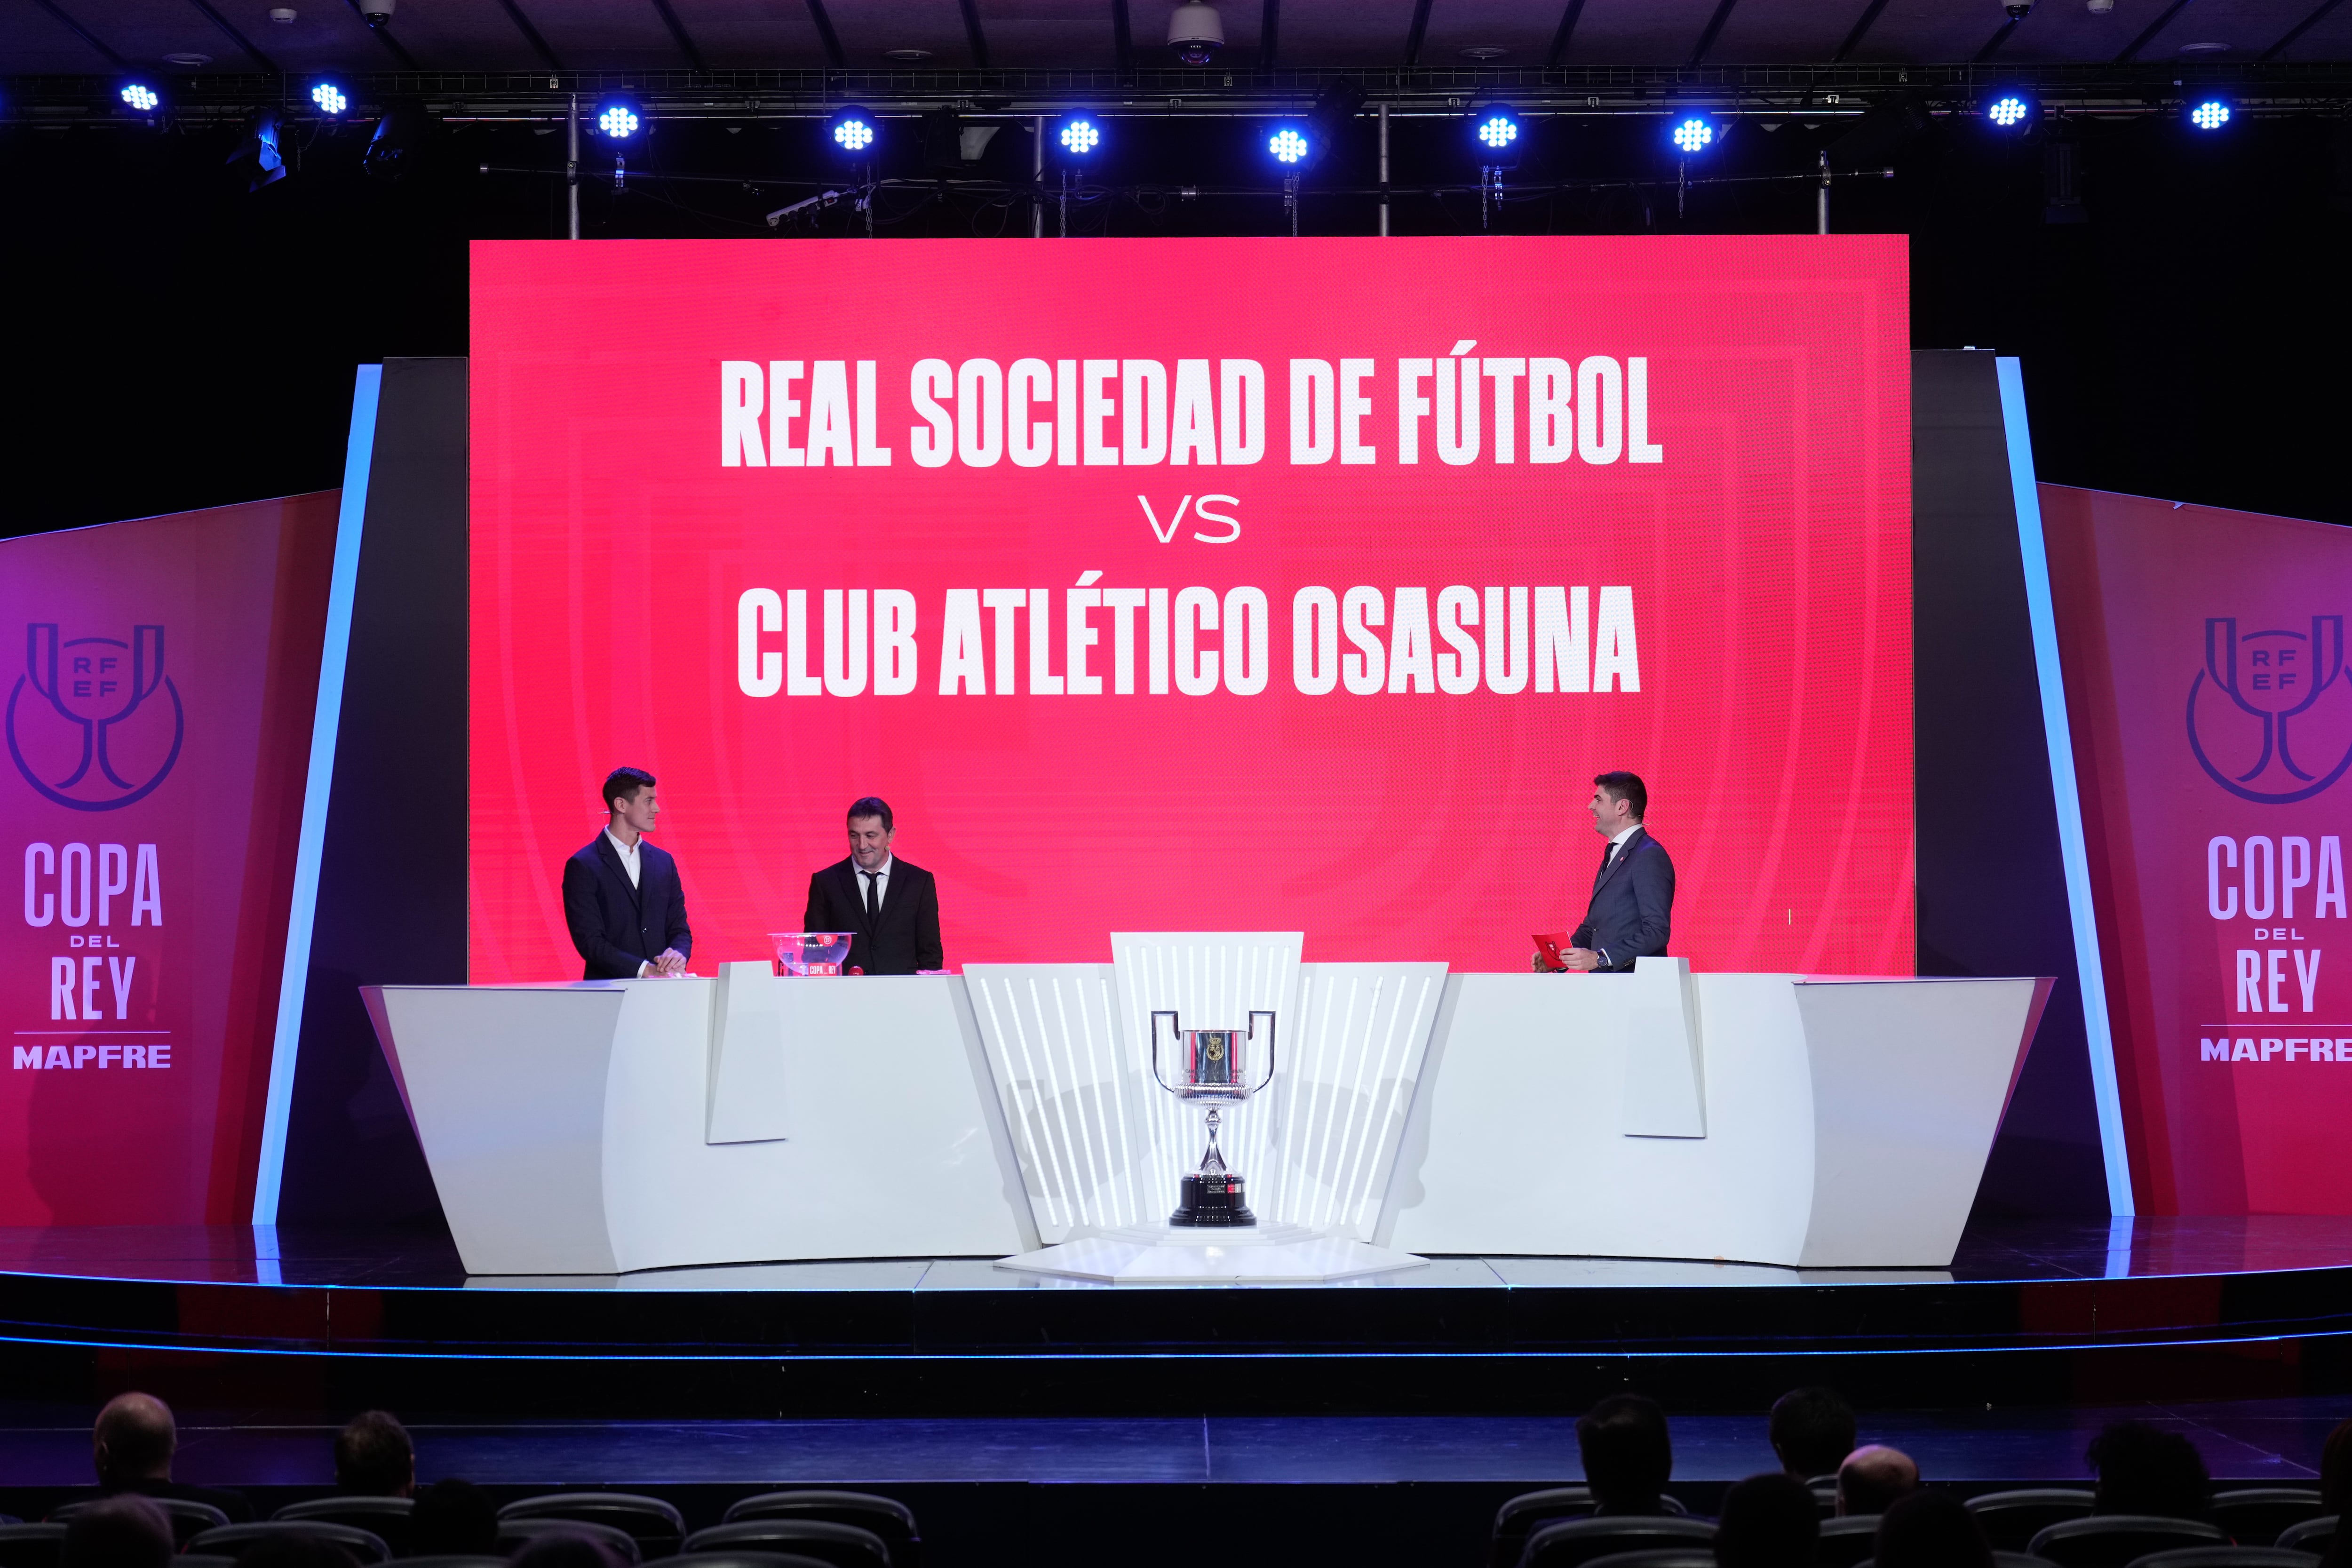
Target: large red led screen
{"points": [[1201, 584]]}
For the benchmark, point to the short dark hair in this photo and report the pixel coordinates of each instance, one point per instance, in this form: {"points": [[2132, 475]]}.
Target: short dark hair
{"points": [[1811, 1429], [1930, 1528], [1769, 1522], [2143, 1470], [374, 1456], [622, 783], [873, 805], [454, 1519], [1628, 1456], [1629, 788], [125, 1531]]}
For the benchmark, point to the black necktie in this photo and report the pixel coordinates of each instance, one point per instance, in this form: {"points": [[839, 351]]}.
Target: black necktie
{"points": [[873, 894]]}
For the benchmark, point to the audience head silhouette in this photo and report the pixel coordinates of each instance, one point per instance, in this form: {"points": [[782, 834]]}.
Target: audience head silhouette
{"points": [[132, 1441], [1627, 1454], [1928, 1528], [1769, 1522], [374, 1456], [1871, 1478], [1811, 1431], [452, 1519], [127, 1532], [2143, 1470], [2335, 1470]]}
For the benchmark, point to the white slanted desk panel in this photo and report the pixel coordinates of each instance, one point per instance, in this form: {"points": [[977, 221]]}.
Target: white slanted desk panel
{"points": [[1518, 1144], [1845, 1122], [567, 1126]]}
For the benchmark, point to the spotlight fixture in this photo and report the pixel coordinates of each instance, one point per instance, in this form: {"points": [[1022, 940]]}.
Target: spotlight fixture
{"points": [[854, 133], [617, 119], [2208, 113], [330, 100], [398, 144], [2011, 109], [1495, 130], [1079, 138], [1196, 33], [1289, 145], [257, 156], [1691, 134], [141, 97]]}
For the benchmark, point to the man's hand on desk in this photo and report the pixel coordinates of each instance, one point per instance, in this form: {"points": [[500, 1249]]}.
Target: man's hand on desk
{"points": [[1581, 960], [670, 964]]}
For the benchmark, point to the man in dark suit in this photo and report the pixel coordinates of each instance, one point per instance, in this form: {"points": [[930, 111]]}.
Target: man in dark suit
{"points": [[893, 907], [1633, 909], [622, 897]]}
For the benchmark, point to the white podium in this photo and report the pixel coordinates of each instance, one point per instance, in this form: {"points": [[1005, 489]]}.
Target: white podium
{"points": [[607, 1127]]}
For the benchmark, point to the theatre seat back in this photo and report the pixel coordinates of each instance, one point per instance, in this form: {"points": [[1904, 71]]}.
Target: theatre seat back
{"points": [[1573, 1542], [2011, 1520], [2117, 1539]]}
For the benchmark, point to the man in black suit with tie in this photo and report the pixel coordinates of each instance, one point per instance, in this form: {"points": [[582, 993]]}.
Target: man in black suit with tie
{"points": [[1633, 909], [622, 897], [893, 907]]}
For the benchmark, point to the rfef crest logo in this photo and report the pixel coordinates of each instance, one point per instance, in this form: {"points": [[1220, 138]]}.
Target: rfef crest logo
{"points": [[2270, 716], [86, 724]]}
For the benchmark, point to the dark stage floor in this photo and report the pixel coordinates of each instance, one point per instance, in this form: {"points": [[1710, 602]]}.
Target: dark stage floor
{"points": [[2040, 1315], [2271, 1442]]}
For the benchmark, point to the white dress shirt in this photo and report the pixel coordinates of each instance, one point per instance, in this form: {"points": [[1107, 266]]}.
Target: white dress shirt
{"points": [[881, 875], [628, 853]]}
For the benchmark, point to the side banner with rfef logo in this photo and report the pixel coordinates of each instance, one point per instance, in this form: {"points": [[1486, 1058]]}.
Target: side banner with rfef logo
{"points": [[158, 679], [2213, 725]]}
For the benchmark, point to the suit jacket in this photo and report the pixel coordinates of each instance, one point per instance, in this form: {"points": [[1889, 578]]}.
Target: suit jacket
{"points": [[1633, 909], [907, 936], [615, 926]]}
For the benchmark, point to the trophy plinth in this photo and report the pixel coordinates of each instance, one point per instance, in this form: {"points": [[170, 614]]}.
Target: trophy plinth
{"points": [[1213, 1195], [1210, 1068]]}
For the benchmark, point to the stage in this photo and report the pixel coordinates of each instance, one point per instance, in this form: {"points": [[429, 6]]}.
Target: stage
{"points": [[2030, 1314]]}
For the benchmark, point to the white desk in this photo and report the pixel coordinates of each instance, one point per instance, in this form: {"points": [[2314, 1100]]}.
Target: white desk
{"points": [[1762, 1118]]}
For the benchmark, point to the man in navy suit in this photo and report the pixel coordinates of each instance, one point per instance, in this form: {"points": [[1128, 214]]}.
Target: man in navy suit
{"points": [[622, 897], [1633, 909], [893, 907]]}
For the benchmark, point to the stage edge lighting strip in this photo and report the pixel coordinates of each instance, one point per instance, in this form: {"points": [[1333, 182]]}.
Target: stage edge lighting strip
{"points": [[2073, 852], [293, 983]]}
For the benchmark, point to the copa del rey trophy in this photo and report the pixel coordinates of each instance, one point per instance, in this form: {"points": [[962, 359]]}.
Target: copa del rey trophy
{"points": [[1221, 1067]]}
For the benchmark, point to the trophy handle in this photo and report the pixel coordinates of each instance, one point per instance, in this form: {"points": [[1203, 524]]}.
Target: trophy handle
{"points": [[1175, 1033], [1268, 1076]]}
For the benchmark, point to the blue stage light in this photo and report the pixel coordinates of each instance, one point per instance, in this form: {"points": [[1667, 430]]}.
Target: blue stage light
{"points": [[331, 101], [2008, 110], [2209, 113], [141, 97], [1495, 130], [854, 131], [1692, 135], [1081, 136], [618, 119], [1288, 145]]}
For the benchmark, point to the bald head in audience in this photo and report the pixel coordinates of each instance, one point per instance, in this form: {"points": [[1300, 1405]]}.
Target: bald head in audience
{"points": [[133, 1441], [1873, 1477]]}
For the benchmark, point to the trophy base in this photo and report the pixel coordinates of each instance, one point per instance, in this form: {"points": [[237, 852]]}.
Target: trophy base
{"points": [[1213, 1200], [1275, 1254]]}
